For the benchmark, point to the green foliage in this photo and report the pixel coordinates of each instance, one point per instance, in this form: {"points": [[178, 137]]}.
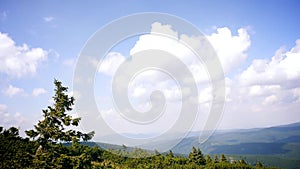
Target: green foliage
{"points": [[156, 153], [208, 159], [259, 164], [216, 159], [19, 155], [15, 152], [242, 161], [54, 126], [170, 154], [270, 160], [223, 158], [197, 157]]}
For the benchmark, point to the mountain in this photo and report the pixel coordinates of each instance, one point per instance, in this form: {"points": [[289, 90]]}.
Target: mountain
{"points": [[271, 140], [275, 146], [248, 141]]}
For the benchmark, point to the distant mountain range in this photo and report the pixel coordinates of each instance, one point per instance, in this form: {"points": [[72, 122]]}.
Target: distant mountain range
{"points": [[278, 146]]}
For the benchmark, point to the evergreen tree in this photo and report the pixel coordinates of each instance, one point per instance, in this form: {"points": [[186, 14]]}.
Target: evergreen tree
{"points": [[259, 165], [53, 127], [124, 147], [170, 154], [216, 159], [15, 150], [197, 157], [242, 161], [208, 159], [223, 158], [156, 152]]}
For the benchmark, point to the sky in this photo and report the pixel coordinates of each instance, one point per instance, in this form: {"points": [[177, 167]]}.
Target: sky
{"points": [[257, 43]]}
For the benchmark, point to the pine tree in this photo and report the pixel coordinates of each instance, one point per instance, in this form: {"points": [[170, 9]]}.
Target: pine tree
{"points": [[208, 159], [53, 127], [216, 159], [259, 165], [170, 154], [156, 152], [197, 157], [242, 161], [223, 158]]}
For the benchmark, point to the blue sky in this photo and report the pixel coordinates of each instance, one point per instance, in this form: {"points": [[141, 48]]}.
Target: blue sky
{"points": [[56, 31]]}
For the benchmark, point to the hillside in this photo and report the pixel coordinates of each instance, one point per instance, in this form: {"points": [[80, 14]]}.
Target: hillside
{"points": [[280, 142]]}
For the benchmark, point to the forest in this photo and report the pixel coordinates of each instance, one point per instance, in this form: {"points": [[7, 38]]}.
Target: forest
{"points": [[53, 144]]}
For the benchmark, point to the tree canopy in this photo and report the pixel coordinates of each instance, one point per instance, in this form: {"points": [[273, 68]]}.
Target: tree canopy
{"points": [[54, 126]]}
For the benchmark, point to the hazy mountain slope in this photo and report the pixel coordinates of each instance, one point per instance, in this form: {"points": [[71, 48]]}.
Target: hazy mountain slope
{"points": [[251, 141]]}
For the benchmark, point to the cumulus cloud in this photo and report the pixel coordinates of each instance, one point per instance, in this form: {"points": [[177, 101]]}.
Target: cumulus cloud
{"points": [[38, 91], [8, 120], [145, 82], [231, 49], [12, 91], [164, 38], [282, 69], [267, 88], [270, 100], [110, 63], [18, 61], [261, 90]]}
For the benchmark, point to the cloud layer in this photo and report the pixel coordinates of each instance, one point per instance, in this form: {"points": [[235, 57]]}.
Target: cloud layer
{"points": [[282, 69], [231, 49], [17, 61], [12, 91], [267, 87]]}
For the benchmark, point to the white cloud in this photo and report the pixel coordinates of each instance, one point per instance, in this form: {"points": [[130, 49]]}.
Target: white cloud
{"points": [[48, 18], [8, 120], [148, 80], [205, 95], [231, 49], [18, 61], [139, 91], [164, 38], [110, 63], [282, 69], [143, 84], [267, 88], [161, 37], [12, 91], [38, 91], [296, 93], [259, 90], [270, 100]]}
